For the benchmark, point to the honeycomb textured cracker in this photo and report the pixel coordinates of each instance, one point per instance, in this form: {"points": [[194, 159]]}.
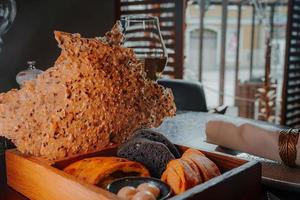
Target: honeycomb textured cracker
{"points": [[95, 94]]}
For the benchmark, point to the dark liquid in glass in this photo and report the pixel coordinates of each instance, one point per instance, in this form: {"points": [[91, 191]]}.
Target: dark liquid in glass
{"points": [[154, 67]]}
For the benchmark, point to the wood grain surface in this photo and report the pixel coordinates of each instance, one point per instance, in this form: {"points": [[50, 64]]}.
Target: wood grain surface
{"points": [[41, 180]]}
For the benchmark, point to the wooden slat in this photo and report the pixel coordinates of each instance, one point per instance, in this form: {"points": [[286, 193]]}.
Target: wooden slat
{"points": [[171, 55], [148, 11], [295, 75], [142, 39], [147, 47], [124, 3], [293, 107], [294, 62], [168, 73], [294, 54], [296, 106], [163, 28], [296, 69], [166, 19], [291, 85], [292, 115], [294, 124], [179, 29], [294, 91], [167, 37], [164, 15], [294, 101], [295, 78], [171, 65], [293, 46], [296, 48]]}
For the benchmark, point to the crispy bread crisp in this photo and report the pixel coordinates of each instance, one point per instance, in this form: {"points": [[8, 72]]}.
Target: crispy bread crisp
{"points": [[95, 94]]}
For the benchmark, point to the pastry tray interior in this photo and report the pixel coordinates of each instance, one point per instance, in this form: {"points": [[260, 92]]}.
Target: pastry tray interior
{"points": [[39, 179]]}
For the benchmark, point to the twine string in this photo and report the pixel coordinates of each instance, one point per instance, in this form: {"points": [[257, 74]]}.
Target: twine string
{"points": [[287, 142]]}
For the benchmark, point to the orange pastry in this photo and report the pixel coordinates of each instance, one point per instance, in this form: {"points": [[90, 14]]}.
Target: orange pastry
{"points": [[188, 171], [192, 152], [180, 175], [196, 171], [102, 170], [208, 169], [174, 176]]}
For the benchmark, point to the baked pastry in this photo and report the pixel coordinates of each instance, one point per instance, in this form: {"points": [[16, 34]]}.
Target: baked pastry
{"points": [[153, 155], [95, 94], [207, 168], [157, 137], [188, 171], [103, 170]]}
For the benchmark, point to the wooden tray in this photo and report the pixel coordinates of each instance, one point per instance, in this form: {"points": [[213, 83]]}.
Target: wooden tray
{"points": [[38, 179]]}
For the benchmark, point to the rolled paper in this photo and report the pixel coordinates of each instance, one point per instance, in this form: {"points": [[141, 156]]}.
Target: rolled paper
{"points": [[255, 140]]}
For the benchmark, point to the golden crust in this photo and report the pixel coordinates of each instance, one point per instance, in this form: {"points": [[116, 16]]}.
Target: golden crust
{"points": [[207, 168], [94, 170], [188, 171], [94, 95]]}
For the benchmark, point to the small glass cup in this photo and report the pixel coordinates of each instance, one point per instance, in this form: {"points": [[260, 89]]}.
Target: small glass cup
{"points": [[29, 74]]}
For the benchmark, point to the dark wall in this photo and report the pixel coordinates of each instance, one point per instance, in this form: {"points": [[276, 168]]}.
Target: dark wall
{"points": [[31, 35]]}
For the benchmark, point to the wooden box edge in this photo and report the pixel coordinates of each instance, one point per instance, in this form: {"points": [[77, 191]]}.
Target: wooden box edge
{"points": [[34, 179], [67, 187]]}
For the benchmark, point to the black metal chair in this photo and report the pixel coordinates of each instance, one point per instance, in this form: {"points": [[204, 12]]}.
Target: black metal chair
{"points": [[188, 95]]}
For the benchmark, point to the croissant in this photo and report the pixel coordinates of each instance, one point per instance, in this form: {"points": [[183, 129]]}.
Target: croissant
{"points": [[180, 176], [102, 170], [188, 171], [207, 168]]}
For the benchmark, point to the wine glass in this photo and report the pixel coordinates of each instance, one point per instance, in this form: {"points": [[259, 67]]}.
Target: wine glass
{"points": [[142, 34]]}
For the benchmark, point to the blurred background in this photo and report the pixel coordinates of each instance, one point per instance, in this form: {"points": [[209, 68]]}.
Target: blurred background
{"points": [[253, 50], [245, 53], [31, 35]]}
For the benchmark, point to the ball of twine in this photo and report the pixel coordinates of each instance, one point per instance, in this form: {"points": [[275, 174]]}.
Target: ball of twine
{"points": [[287, 142]]}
